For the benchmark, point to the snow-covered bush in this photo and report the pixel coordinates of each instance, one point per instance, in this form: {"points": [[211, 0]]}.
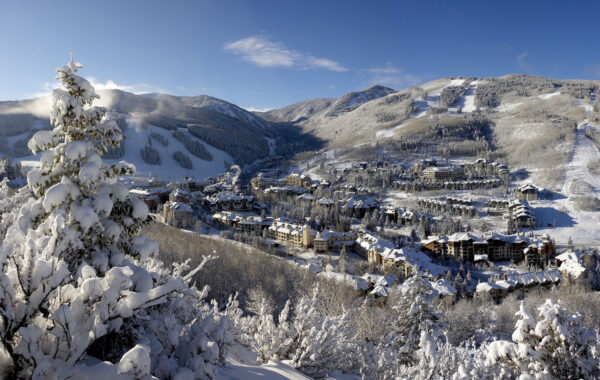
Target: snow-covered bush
{"points": [[323, 343], [77, 278], [162, 140], [451, 94], [11, 202], [193, 146], [556, 345], [150, 155], [315, 343], [183, 160]]}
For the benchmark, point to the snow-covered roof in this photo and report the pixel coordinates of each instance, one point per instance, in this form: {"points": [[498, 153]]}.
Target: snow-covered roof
{"points": [[381, 291], [444, 287], [306, 197], [528, 187], [369, 242], [180, 207], [360, 201], [506, 284], [326, 201], [569, 255], [573, 268], [177, 192], [226, 196], [484, 287], [463, 236]]}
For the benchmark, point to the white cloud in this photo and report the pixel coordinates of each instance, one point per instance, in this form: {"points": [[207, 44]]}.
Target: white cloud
{"points": [[392, 76], [388, 70], [252, 109], [266, 53], [109, 85], [593, 70], [523, 62]]}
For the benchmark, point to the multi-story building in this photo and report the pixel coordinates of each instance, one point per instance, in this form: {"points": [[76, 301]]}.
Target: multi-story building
{"points": [[528, 192], [520, 216], [359, 205], [245, 222], [327, 241], [178, 214], [497, 247], [443, 173], [298, 180], [293, 234], [229, 201]]}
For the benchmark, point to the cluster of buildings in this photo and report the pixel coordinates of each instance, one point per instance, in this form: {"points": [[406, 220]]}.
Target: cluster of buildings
{"points": [[472, 184], [269, 181], [452, 205], [242, 221], [402, 215], [535, 251], [516, 282], [358, 205], [484, 168], [180, 201], [403, 260]]}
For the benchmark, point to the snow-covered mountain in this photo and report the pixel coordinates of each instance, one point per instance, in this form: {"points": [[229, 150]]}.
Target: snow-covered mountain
{"points": [[528, 121], [211, 132]]}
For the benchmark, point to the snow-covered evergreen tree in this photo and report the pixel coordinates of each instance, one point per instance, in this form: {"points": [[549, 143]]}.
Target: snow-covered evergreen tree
{"points": [[75, 271], [415, 314]]}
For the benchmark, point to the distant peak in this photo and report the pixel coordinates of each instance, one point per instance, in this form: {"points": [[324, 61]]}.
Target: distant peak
{"points": [[378, 88]]}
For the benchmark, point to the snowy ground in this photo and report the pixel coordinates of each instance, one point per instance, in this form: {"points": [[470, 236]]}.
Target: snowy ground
{"points": [[550, 95], [467, 101], [242, 364], [508, 106]]}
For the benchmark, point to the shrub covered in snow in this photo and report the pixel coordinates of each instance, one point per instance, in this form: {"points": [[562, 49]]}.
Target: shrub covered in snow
{"points": [[183, 160], [556, 345], [162, 140], [194, 146], [451, 94], [77, 278], [150, 155]]}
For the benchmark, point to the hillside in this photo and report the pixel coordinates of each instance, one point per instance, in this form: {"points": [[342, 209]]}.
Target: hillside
{"points": [[212, 132], [525, 121]]}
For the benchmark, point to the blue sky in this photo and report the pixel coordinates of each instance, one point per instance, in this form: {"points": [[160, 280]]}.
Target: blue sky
{"points": [[268, 54]]}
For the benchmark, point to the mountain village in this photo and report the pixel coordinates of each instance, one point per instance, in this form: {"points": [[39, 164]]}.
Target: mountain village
{"points": [[339, 225]]}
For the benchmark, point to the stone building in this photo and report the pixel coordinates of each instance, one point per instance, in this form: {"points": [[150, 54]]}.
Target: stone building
{"points": [[178, 214]]}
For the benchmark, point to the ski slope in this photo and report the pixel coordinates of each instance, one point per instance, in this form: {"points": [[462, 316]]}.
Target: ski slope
{"points": [[137, 136], [583, 227], [432, 99], [584, 151]]}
